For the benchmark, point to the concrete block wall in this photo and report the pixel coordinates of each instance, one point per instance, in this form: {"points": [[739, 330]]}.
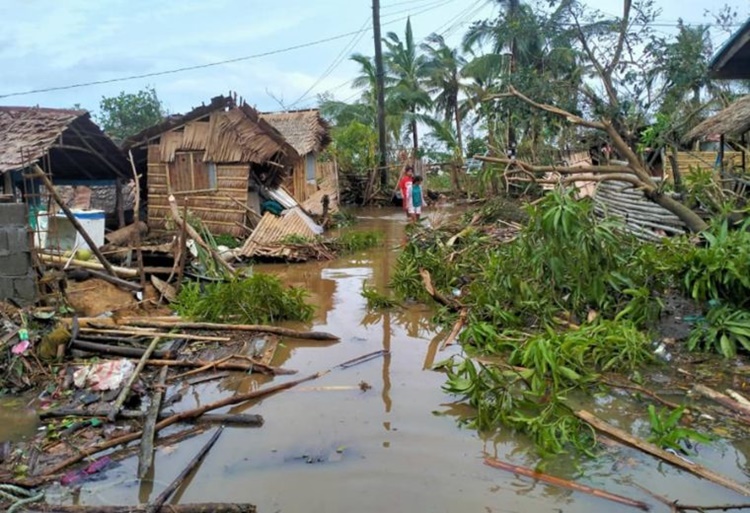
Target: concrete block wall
{"points": [[17, 278]]}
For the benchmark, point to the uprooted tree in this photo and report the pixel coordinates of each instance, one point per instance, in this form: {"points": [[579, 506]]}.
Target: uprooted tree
{"points": [[617, 97]]}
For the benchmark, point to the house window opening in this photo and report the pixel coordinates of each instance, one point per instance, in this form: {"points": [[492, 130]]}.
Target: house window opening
{"points": [[189, 173]]}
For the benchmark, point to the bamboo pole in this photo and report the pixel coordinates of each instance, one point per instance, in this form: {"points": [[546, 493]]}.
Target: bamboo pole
{"points": [[73, 220], [564, 483], [150, 333], [59, 261], [196, 236], [137, 219], [660, 453], [723, 400], [257, 328], [146, 454]]}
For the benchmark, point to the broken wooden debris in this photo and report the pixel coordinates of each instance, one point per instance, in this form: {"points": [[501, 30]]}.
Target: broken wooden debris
{"points": [[146, 454], [53, 472], [72, 218], [725, 400], [178, 323], [207, 507], [653, 450], [125, 391], [564, 483], [61, 261], [196, 236], [155, 505]]}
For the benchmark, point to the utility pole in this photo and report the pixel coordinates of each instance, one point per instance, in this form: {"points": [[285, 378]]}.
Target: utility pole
{"points": [[380, 85]]}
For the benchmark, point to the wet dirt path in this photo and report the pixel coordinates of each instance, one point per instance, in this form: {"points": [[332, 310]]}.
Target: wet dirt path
{"points": [[380, 436]]}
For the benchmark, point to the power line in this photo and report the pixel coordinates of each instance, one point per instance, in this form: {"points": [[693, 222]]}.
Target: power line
{"points": [[337, 61], [203, 66], [340, 58]]}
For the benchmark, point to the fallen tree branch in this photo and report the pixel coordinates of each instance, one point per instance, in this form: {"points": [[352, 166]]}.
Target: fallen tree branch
{"points": [[660, 453], [564, 483]]}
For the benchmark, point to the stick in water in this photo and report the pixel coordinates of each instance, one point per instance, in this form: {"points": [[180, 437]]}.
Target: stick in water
{"points": [[157, 503], [563, 483]]}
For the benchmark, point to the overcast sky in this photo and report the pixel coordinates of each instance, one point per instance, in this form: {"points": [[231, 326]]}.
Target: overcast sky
{"points": [[51, 43]]}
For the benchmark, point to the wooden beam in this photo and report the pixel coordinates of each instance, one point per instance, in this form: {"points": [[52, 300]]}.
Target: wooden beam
{"points": [[72, 218]]}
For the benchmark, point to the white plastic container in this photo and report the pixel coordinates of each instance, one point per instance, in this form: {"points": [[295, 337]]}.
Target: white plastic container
{"points": [[91, 220]]}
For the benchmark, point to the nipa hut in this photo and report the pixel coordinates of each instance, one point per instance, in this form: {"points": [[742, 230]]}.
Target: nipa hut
{"points": [[312, 178], [66, 144], [221, 160]]}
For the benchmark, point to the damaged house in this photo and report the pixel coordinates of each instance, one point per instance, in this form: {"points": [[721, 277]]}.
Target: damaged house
{"points": [[222, 161], [312, 178], [74, 153]]}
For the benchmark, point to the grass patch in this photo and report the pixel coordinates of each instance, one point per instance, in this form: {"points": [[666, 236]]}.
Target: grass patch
{"points": [[377, 300], [353, 241], [259, 299]]}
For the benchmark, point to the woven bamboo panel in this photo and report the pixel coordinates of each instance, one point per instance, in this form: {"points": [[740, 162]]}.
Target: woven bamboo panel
{"points": [[691, 160], [273, 229], [170, 142]]}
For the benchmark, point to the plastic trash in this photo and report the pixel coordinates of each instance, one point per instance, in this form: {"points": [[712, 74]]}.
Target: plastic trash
{"points": [[104, 376]]}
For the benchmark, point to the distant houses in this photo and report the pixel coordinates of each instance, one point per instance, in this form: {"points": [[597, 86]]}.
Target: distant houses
{"points": [[224, 161]]}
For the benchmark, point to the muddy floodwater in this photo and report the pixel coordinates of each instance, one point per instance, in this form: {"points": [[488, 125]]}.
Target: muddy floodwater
{"points": [[383, 436]]}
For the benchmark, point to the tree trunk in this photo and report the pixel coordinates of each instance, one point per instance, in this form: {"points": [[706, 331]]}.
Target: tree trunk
{"points": [[414, 136], [459, 135], [692, 220]]}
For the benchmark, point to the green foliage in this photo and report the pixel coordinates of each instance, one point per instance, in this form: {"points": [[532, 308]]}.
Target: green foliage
{"points": [[667, 433], [224, 239], [500, 397], [353, 241], [377, 300], [128, 113], [720, 269], [724, 329], [354, 147], [294, 238], [259, 299], [343, 219]]}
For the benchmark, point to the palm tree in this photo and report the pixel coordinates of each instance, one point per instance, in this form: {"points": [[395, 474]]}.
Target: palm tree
{"points": [[443, 68], [407, 69]]}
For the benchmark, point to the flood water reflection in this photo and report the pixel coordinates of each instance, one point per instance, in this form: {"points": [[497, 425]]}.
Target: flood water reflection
{"points": [[381, 436]]}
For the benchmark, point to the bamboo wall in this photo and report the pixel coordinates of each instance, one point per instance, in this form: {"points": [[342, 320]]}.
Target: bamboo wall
{"points": [[690, 160], [215, 208], [299, 186]]}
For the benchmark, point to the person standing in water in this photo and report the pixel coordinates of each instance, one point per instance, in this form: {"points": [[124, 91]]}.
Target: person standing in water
{"points": [[403, 185], [417, 200]]}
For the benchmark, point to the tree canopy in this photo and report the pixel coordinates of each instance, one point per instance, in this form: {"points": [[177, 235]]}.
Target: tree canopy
{"points": [[128, 113]]}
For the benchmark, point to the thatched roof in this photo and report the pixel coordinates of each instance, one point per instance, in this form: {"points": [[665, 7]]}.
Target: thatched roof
{"points": [[76, 147], [732, 61], [233, 133], [305, 130], [734, 120]]}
